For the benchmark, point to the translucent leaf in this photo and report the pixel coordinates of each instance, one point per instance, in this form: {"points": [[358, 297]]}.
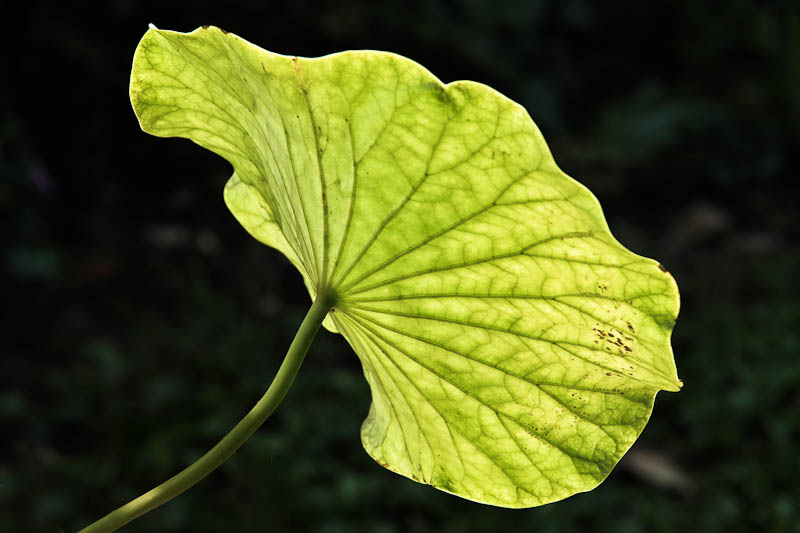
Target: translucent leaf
{"points": [[513, 347]]}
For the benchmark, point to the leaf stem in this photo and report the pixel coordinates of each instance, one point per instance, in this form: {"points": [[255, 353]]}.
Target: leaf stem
{"points": [[225, 448]]}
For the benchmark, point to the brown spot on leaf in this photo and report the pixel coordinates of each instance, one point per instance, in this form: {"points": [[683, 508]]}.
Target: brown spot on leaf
{"points": [[662, 268], [615, 340]]}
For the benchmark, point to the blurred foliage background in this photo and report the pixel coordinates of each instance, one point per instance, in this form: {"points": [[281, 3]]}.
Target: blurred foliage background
{"points": [[139, 322]]}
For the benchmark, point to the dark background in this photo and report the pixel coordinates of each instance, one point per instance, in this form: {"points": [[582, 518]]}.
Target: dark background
{"points": [[140, 322]]}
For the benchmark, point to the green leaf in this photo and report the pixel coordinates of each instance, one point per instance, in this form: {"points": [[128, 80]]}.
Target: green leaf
{"points": [[513, 347]]}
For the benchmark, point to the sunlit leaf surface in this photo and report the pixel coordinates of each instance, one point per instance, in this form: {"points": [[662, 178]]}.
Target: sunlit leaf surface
{"points": [[513, 347]]}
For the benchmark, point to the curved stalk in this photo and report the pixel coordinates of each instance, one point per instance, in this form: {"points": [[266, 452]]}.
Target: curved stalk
{"points": [[236, 437]]}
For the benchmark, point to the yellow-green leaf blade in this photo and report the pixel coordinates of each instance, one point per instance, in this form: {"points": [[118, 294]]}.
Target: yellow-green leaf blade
{"points": [[513, 347]]}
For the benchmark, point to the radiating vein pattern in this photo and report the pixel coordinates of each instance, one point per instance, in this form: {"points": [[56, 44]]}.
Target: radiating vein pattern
{"points": [[513, 347]]}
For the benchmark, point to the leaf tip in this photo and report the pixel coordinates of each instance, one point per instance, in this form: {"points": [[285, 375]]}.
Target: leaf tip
{"points": [[675, 386]]}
